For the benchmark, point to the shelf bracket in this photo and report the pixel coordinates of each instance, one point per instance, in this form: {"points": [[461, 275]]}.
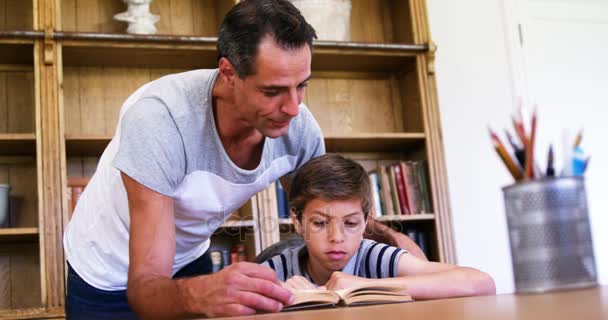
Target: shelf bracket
{"points": [[431, 58], [49, 47]]}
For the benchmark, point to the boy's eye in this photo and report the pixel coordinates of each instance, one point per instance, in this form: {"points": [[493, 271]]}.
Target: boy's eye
{"points": [[319, 223], [351, 224]]}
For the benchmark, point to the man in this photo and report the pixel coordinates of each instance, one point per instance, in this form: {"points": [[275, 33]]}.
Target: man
{"points": [[189, 149]]}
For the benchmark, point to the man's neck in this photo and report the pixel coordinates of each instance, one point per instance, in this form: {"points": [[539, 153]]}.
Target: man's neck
{"points": [[242, 142]]}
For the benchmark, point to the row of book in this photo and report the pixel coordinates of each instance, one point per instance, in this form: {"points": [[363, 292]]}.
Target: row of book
{"points": [[421, 238], [221, 258], [400, 188]]}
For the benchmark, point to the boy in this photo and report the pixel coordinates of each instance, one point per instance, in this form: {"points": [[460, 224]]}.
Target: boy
{"points": [[330, 203]]}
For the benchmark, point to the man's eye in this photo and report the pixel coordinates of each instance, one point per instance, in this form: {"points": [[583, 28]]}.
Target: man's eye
{"points": [[271, 93], [303, 85]]}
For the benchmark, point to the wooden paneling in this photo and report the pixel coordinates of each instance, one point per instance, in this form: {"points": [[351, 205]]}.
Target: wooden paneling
{"points": [[23, 201], [19, 276], [81, 166], [383, 21], [16, 102], [93, 96], [178, 17], [402, 21], [361, 105], [409, 93], [16, 15]]}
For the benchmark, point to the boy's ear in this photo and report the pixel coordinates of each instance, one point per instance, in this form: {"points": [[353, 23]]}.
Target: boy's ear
{"points": [[296, 222]]}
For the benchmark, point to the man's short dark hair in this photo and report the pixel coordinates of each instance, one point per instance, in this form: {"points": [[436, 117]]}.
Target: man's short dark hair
{"points": [[329, 177], [250, 20]]}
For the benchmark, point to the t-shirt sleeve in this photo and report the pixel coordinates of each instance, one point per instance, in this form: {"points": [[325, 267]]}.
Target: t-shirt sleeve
{"points": [[151, 149], [379, 260], [278, 264]]}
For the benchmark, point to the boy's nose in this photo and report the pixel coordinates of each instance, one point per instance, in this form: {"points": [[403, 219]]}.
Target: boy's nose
{"points": [[336, 233]]}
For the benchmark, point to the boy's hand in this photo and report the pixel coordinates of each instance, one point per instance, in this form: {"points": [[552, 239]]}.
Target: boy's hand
{"points": [[340, 280], [299, 283]]}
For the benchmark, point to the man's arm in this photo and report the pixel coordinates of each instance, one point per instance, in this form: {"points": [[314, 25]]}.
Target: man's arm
{"points": [[239, 289], [381, 233]]}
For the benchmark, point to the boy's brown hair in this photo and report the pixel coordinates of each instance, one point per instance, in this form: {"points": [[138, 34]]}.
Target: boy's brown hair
{"points": [[329, 177]]}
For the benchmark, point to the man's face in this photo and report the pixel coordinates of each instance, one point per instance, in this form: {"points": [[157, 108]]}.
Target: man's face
{"points": [[333, 231], [269, 99]]}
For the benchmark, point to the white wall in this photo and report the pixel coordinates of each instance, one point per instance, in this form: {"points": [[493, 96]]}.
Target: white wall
{"points": [[475, 90]]}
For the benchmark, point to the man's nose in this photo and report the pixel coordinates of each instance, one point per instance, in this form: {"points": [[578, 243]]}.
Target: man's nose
{"points": [[291, 103]]}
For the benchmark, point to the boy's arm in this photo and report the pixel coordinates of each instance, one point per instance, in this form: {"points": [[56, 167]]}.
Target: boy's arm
{"points": [[433, 280], [425, 280]]}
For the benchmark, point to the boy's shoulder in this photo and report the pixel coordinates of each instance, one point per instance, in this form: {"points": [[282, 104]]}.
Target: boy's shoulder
{"points": [[378, 260]]}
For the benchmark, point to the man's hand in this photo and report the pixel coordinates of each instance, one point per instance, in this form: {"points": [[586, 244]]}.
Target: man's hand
{"points": [[240, 289], [340, 280]]}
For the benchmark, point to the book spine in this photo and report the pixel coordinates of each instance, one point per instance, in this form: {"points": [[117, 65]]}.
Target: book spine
{"points": [[424, 187], [413, 187], [69, 202], [401, 189], [216, 261], [406, 188], [76, 192], [385, 195], [373, 179], [394, 192], [421, 239], [281, 201]]}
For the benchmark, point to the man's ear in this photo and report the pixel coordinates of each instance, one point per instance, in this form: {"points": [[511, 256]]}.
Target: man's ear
{"points": [[227, 71], [296, 223]]}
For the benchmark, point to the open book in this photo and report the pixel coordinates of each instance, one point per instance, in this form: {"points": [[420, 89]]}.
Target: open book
{"points": [[359, 295]]}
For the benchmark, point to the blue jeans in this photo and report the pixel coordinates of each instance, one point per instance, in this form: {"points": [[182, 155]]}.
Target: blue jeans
{"points": [[84, 301]]}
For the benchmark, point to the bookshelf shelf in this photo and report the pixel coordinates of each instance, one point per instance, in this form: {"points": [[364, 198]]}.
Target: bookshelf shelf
{"points": [[93, 145], [118, 50], [86, 145], [16, 51], [11, 235], [285, 222], [406, 217], [374, 142], [17, 144], [238, 224]]}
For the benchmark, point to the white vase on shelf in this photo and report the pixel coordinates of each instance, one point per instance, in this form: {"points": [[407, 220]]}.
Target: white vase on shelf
{"points": [[138, 15], [330, 18]]}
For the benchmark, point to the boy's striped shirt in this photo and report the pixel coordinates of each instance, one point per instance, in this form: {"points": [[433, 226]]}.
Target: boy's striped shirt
{"points": [[373, 260]]}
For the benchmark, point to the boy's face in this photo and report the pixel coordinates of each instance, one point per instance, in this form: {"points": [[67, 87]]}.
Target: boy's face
{"points": [[332, 231]]}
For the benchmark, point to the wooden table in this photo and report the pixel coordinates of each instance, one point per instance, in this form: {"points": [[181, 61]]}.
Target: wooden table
{"points": [[586, 304]]}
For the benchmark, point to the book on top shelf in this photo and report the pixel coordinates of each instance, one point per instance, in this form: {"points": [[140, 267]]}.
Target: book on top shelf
{"points": [[372, 293]]}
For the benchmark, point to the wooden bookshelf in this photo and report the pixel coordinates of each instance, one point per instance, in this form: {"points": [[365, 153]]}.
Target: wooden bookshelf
{"points": [[12, 235], [17, 144], [66, 68], [407, 217]]}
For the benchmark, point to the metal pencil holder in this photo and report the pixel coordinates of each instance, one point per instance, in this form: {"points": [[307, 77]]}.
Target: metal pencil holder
{"points": [[550, 235]]}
